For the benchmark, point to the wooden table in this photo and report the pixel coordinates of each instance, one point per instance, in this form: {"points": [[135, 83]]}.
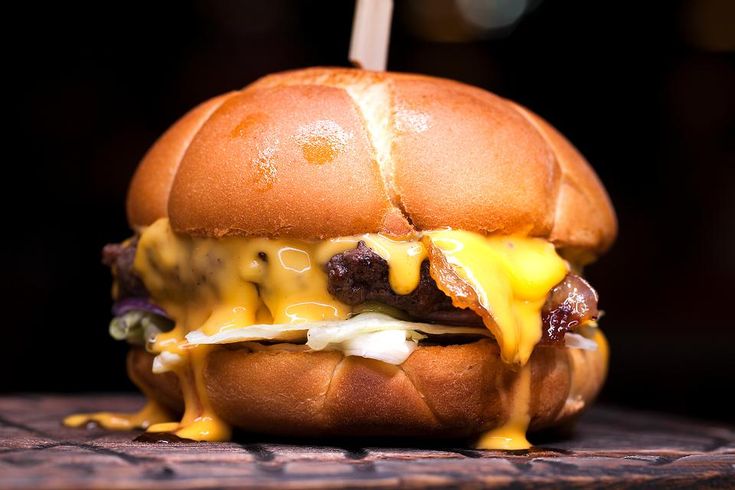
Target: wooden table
{"points": [[611, 447]]}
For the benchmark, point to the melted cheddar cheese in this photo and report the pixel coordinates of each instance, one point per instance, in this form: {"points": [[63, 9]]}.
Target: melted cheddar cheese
{"points": [[512, 434], [213, 285], [512, 277], [152, 413]]}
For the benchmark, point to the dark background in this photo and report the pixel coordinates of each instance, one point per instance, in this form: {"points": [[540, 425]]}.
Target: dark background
{"points": [[646, 90]]}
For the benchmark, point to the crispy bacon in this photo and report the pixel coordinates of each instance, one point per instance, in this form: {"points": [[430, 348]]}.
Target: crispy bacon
{"points": [[570, 303]]}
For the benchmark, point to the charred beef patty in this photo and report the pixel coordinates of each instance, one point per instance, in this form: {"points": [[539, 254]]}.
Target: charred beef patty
{"points": [[361, 275]]}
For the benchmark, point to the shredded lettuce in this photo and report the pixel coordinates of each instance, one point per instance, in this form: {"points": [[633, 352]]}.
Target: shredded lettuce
{"points": [[276, 331], [338, 330], [391, 346], [373, 335], [138, 326], [361, 336]]}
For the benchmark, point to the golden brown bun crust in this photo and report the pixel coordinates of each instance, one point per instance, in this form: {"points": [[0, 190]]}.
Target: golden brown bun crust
{"points": [[164, 388], [151, 184], [452, 391], [327, 152]]}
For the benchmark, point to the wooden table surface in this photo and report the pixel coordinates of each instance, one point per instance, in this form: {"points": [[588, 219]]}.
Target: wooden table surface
{"points": [[610, 448]]}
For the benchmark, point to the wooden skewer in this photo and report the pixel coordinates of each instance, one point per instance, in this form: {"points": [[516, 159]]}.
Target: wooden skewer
{"points": [[371, 34]]}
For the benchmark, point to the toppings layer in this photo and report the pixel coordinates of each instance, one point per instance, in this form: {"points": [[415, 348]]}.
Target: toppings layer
{"points": [[360, 277]]}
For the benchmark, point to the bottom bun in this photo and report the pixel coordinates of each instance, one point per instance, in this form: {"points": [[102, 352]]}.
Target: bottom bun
{"points": [[440, 391]]}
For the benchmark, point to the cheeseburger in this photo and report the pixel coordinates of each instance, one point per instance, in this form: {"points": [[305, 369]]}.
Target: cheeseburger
{"points": [[337, 252]]}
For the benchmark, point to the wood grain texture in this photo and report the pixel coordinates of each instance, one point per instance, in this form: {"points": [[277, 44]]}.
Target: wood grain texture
{"points": [[610, 448]]}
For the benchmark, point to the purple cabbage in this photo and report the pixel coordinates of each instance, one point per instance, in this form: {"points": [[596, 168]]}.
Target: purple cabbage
{"points": [[128, 304]]}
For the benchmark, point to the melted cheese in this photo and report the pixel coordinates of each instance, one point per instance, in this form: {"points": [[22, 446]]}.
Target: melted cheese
{"points": [[151, 414], [403, 256], [404, 259], [512, 434], [212, 285], [512, 277], [199, 421]]}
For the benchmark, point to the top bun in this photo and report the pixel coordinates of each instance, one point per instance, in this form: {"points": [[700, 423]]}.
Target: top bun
{"points": [[326, 152]]}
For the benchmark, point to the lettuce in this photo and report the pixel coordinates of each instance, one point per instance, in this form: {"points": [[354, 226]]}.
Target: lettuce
{"points": [[373, 335], [138, 326], [391, 346]]}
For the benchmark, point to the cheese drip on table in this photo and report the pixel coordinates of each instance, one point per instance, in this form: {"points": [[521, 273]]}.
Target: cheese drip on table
{"points": [[213, 285]]}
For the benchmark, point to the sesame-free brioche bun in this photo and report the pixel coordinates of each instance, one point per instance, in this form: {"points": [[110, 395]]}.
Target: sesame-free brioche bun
{"points": [[327, 152], [439, 391]]}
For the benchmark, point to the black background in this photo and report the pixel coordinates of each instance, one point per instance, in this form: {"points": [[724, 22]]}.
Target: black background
{"points": [[632, 84]]}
